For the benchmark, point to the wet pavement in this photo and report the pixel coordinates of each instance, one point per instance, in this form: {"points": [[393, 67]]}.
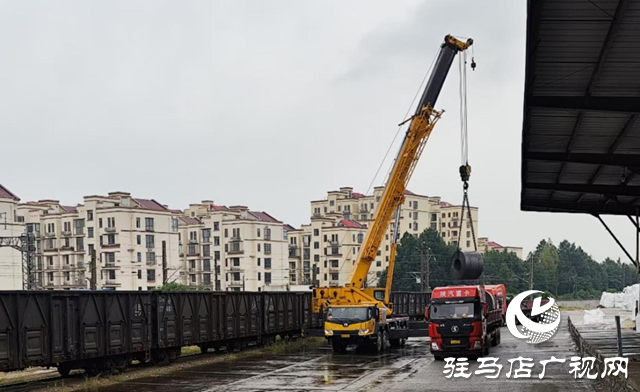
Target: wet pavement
{"points": [[411, 368]]}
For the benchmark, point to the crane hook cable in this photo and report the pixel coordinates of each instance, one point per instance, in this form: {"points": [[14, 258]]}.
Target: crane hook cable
{"points": [[465, 168]]}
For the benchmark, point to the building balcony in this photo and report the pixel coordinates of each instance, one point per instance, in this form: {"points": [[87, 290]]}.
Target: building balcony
{"points": [[50, 234], [80, 265], [235, 239], [111, 282], [51, 267], [334, 270], [334, 243], [109, 246], [66, 233], [149, 229], [334, 283], [110, 265], [234, 250], [151, 262], [194, 270], [194, 254], [294, 252], [109, 229], [68, 267], [50, 250], [267, 252], [235, 283], [332, 251], [236, 269]]}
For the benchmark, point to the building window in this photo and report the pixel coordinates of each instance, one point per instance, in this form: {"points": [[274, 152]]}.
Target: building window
{"points": [[259, 276], [89, 215], [316, 232], [151, 257], [111, 239], [151, 275], [139, 257], [111, 222], [258, 232], [468, 244], [259, 247], [332, 203], [174, 224], [148, 224], [90, 232], [100, 223], [138, 223], [267, 262], [267, 249], [206, 250], [226, 233], [216, 255], [267, 277], [267, 233], [334, 277], [316, 245], [206, 235], [216, 226], [258, 262], [316, 258], [79, 244], [378, 263], [150, 241], [79, 226], [216, 241], [206, 264], [139, 239], [139, 273], [50, 274]]}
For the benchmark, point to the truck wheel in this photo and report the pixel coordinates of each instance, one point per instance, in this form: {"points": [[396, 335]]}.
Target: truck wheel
{"points": [[487, 348], [379, 345], [494, 339], [438, 357], [385, 341], [64, 370], [498, 337]]}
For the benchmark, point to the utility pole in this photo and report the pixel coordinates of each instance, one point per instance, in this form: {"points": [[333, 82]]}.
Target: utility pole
{"points": [[94, 271], [422, 262], [164, 262], [427, 273], [531, 274]]}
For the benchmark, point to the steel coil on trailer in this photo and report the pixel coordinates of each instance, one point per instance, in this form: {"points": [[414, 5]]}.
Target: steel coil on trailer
{"points": [[467, 265]]}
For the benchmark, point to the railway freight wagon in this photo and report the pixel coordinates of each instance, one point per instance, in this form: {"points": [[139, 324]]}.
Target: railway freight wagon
{"points": [[410, 304], [106, 330]]}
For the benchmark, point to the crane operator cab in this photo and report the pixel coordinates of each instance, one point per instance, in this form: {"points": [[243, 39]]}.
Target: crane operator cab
{"points": [[354, 325]]}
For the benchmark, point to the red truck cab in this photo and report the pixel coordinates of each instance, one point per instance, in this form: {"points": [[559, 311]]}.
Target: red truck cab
{"points": [[463, 321]]}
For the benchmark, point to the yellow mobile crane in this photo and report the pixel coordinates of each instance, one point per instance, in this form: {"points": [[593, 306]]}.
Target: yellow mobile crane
{"points": [[358, 315]]}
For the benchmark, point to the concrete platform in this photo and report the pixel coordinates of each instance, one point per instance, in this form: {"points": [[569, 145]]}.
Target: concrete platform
{"points": [[600, 341]]}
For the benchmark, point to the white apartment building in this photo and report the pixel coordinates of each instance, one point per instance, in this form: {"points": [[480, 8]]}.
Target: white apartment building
{"points": [[324, 252], [10, 259], [232, 248], [484, 245], [128, 235]]}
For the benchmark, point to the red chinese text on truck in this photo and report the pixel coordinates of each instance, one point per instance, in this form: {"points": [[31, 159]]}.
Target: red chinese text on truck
{"points": [[463, 321]]}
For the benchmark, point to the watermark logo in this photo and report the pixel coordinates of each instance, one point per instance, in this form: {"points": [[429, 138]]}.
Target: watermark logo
{"points": [[548, 315]]}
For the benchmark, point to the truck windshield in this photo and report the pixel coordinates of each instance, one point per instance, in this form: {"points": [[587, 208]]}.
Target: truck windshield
{"points": [[452, 311], [348, 314]]}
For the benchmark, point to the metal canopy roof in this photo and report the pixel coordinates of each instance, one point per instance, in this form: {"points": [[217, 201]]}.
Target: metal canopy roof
{"points": [[581, 132]]}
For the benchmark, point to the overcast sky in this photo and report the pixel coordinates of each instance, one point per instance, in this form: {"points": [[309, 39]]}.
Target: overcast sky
{"points": [[265, 104]]}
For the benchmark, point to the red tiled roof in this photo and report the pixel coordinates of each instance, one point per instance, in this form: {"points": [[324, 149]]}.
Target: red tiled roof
{"points": [[288, 227], [351, 223], [408, 192], [494, 245], [176, 211], [218, 208], [263, 216], [69, 209], [445, 204], [150, 205], [357, 195], [190, 221], [6, 194]]}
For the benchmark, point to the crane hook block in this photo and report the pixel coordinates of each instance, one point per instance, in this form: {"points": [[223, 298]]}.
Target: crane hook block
{"points": [[465, 173], [467, 265], [473, 64]]}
